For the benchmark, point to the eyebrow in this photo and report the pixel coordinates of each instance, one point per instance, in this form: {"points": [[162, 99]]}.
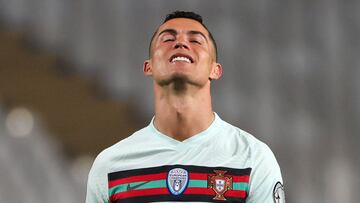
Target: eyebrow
{"points": [[171, 31], [194, 32], [191, 32]]}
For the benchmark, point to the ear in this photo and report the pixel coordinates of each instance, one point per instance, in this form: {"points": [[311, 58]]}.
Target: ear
{"points": [[216, 72], [147, 68]]}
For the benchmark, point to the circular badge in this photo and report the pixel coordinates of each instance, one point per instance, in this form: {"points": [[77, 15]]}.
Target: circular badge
{"points": [[279, 194], [177, 180]]}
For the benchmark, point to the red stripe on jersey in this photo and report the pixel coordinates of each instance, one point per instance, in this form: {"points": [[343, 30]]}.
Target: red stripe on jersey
{"points": [[244, 179], [236, 193], [199, 191], [198, 176], [149, 177], [210, 191]]}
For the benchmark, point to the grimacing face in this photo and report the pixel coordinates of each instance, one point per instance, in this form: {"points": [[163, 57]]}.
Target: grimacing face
{"points": [[182, 50]]}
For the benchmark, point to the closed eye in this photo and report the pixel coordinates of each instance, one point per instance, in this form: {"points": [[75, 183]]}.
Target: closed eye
{"points": [[169, 40], [195, 41]]}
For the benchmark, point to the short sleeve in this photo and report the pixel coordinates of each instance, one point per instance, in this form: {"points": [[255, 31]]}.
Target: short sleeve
{"points": [[266, 183], [97, 184]]}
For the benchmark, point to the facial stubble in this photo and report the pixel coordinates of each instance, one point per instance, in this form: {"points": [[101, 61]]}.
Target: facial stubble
{"points": [[179, 82]]}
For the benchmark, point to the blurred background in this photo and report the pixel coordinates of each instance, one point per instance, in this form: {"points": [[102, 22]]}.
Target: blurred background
{"points": [[71, 84]]}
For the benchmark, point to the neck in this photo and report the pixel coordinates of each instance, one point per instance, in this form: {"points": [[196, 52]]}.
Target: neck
{"points": [[181, 115]]}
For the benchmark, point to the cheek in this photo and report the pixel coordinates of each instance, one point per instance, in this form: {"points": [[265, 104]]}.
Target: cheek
{"points": [[159, 55], [205, 53], [159, 63], [206, 58], [161, 48]]}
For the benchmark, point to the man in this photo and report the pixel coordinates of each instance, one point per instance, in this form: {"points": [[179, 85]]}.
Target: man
{"points": [[186, 153]]}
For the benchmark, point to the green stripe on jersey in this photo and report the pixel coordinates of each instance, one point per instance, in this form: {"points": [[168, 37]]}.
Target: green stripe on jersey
{"points": [[137, 186], [241, 186], [198, 183]]}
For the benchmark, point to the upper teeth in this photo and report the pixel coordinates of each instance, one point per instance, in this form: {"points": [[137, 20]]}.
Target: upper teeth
{"points": [[181, 58]]}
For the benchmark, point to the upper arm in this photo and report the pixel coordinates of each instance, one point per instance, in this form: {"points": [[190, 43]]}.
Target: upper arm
{"points": [[265, 179], [97, 185]]}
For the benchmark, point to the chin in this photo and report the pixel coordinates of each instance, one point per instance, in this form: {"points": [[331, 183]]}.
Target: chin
{"points": [[176, 78], [179, 79]]}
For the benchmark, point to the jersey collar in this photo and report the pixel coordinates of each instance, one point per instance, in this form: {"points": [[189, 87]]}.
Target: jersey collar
{"points": [[206, 134]]}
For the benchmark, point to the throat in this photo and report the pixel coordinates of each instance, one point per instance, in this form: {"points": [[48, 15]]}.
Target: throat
{"points": [[182, 110], [179, 85], [181, 127], [181, 121]]}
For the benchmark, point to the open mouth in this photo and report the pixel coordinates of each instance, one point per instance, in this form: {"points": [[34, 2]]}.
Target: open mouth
{"points": [[181, 58]]}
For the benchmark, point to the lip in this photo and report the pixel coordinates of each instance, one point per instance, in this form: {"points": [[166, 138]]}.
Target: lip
{"points": [[181, 55]]}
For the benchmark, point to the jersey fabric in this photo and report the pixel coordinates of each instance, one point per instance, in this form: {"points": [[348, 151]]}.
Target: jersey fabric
{"points": [[221, 164]]}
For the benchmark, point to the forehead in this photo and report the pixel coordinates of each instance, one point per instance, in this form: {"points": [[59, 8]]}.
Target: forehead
{"points": [[183, 24]]}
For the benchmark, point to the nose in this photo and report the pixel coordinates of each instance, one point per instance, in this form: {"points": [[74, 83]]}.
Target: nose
{"points": [[181, 45], [181, 42]]}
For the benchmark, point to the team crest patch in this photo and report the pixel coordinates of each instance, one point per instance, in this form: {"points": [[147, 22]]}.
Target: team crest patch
{"points": [[177, 180], [220, 183], [279, 194]]}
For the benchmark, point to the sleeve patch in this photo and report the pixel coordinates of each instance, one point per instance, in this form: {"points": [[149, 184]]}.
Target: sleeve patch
{"points": [[279, 193]]}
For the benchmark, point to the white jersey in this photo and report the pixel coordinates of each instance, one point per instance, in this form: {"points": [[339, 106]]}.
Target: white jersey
{"points": [[222, 163]]}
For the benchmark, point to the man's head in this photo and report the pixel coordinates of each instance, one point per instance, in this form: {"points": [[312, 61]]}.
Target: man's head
{"points": [[182, 51], [188, 15]]}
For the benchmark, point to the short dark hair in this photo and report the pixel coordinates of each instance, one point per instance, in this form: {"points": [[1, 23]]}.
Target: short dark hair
{"points": [[189, 15]]}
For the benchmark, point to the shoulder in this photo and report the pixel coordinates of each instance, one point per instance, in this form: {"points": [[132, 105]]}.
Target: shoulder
{"points": [[256, 149], [98, 176], [117, 151], [265, 171]]}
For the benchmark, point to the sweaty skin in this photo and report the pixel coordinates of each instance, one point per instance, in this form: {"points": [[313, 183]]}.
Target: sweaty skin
{"points": [[182, 65]]}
